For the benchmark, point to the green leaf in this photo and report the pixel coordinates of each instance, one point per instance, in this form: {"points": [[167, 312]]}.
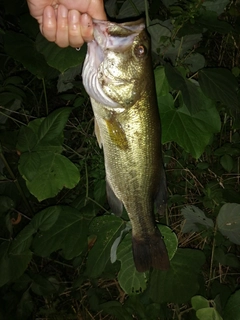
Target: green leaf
{"points": [[174, 285], [27, 139], [65, 80], [208, 314], [131, 8], [25, 306], [195, 62], [228, 221], [227, 162], [23, 240], [162, 86], [53, 125], [6, 204], [191, 132], [209, 20], [130, 280], [116, 309], [54, 173], [220, 85], [46, 218], [192, 96], [199, 302], [22, 49], [158, 33], [217, 6], [194, 216], [232, 308], [44, 285], [59, 58], [29, 164], [12, 266], [107, 229], [68, 233]]}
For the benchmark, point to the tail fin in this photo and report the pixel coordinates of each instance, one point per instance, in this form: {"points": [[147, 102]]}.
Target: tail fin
{"points": [[150, 252]]}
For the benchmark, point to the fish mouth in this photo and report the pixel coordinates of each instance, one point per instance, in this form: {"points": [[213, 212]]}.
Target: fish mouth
{"points": [[108, 36]]}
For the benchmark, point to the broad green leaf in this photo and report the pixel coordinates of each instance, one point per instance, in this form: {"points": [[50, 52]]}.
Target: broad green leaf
{"points": [[227, 162], [22, 49], [53, 125], [12, 266], [46, 218], [228, 221], [68, 233], [117, 310], [54, 173], [194, 216], [23, 240], [129, 278], [44, 285], [199, 302], [191, 132], [208, 314], [178, 48], [27, 139], [162, 86], [107, 229], [114, 248], [25, 306], [29, 164], [59, 58], [158, 33], [65, 80], [174, 285], [232, 308], [220, 85], [192, 96], [131, 8], [195, 62], [170, 239], [217, 6], [6, 204], [209, 20]]}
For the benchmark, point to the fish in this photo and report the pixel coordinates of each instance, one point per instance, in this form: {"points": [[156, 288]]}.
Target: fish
{"points": [[118, 76]]}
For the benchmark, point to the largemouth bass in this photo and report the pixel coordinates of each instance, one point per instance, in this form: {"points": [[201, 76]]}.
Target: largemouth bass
{"points": [[118, 76]]}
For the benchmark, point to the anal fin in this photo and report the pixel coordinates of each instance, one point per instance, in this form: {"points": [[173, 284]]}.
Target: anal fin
{"points": [[116, 205]]}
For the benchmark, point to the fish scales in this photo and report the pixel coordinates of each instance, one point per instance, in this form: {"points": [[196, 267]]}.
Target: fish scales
{"points": [[118, 76]]}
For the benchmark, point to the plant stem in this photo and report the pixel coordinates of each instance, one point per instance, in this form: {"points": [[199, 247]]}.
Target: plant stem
{"points": [[212, 256], [146, 13], [45, 96], [17, 184]]}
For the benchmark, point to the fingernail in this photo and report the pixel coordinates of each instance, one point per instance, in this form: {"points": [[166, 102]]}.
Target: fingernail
{"points": [[48, 12], [74, 16], [63, 11]]}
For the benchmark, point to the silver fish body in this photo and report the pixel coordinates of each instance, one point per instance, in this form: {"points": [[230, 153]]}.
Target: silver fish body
{"points": [[118, 77]]}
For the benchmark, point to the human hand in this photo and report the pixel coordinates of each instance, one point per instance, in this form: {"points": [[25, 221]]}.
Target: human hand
{"points": [[67, 22]]}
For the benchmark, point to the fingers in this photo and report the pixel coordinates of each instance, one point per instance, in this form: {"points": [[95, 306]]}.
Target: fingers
{"points": [[62, 27], [66, 27], [49, 24], [86, 27]]}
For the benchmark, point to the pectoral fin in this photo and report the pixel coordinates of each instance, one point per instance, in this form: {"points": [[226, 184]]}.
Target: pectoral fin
{"points": [[116, 205], [161, 196]]}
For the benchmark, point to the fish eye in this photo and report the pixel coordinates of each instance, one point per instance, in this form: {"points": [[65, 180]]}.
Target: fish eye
{"points": [[140, 51]]}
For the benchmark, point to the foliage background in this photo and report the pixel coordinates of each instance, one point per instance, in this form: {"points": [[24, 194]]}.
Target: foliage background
{"points": [[63, 254]]}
